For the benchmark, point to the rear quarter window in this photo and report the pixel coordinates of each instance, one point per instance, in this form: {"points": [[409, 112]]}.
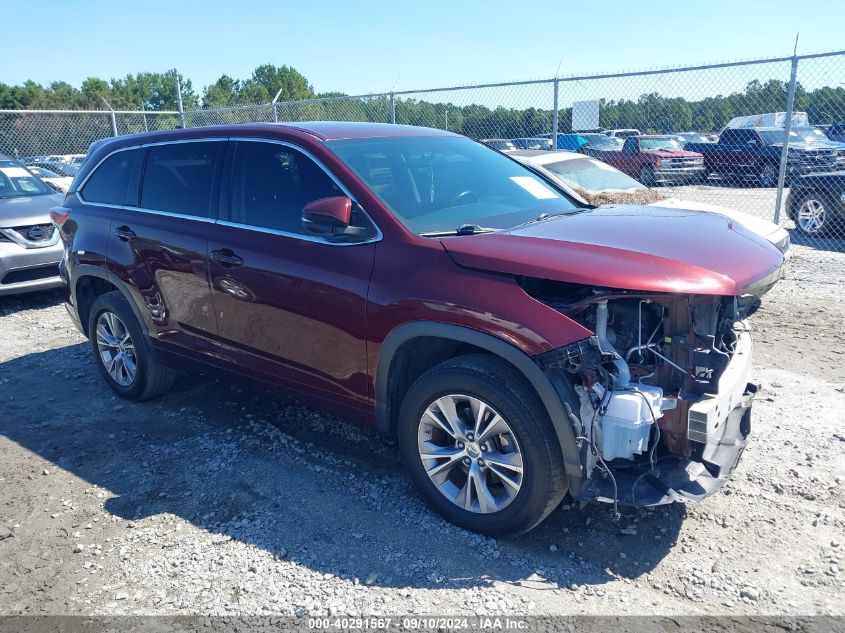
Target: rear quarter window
{"points": [[110, 180]]}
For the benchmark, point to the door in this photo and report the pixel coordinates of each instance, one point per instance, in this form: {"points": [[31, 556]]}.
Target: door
{"points": [[160, 240], [290, 305], [629, 158], [737, 151]]}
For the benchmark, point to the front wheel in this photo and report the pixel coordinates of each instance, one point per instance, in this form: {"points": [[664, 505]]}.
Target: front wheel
{"points": [[647, 176], [480, 447], [814, 215]]}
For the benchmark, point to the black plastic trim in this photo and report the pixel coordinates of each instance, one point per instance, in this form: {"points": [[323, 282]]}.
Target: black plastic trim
{"points": [[89, 270]]}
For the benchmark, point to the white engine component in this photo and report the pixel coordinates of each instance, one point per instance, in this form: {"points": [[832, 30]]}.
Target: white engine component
{"points": [[625, 427]]}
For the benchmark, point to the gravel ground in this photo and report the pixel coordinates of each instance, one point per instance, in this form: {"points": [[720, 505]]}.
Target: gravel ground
{"points": [[222, 499]]}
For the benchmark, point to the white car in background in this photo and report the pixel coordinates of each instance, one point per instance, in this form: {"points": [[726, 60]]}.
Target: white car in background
{"points": [[622, 132], [597, 184], [71, 159], [56, 181]]}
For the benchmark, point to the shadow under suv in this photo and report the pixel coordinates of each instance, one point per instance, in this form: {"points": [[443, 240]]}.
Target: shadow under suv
{"points": [[519, 344]]}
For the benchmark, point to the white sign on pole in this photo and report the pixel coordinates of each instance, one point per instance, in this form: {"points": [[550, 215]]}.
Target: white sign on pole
{"points": [[585, 115]]}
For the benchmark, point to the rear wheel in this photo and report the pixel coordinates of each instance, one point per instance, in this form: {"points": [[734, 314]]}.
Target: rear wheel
{"points": [[123, 352], [767, 175], [480, 447]]}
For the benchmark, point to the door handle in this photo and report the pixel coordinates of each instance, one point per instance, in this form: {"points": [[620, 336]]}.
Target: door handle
{"points": [[227, 258], [125, 233]]}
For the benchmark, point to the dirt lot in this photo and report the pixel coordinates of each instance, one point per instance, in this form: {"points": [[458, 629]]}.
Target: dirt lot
{"points": [[220, 499]]}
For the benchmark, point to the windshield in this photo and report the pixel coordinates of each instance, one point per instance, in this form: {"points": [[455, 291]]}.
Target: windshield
{"points": [[15, 182], [63, 169], [775, 137], [600, 140], [647, 144], [592, 176], [692, 138], [499, 144], [533, 143], [43, 173], [440, 183], [811, 134]]}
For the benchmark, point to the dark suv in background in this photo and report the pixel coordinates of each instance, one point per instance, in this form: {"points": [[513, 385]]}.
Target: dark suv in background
{"points": [[518, 343]]}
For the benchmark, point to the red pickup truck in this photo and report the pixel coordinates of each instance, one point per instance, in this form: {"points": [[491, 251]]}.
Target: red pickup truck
{"points": [[654, 159]]}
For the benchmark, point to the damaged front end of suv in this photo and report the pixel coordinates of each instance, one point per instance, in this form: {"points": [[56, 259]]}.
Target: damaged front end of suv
{"points": [[658, 398], [654, 355]]}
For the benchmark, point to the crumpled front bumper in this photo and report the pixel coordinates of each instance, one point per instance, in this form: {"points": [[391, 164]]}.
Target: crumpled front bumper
{"points": [[719, 425]]}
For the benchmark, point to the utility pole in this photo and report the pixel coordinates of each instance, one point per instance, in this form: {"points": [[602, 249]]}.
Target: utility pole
{"points": [[787, 127], [275, 99], [113, 117], [179, 97], [393, 100], [555, 106]]}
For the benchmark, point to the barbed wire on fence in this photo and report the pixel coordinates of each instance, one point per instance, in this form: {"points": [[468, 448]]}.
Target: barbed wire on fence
{"points": [[700, 99]]}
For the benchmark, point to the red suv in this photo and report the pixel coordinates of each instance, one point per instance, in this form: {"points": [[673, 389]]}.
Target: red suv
{"points": [[519, 344]]}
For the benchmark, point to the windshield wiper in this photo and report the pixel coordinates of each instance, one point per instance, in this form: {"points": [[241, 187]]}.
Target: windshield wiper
{"points": [[463, 229], [549, 216]]}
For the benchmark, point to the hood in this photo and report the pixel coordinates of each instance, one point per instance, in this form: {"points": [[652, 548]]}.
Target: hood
{"points": [[803, 146], [756, 225], [672, 153], [27, 210], [644, 248]]}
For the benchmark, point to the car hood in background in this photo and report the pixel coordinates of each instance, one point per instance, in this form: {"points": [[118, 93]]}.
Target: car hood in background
{"points": [[27, 210], [632, 247], [672, 153], [764, 228]]}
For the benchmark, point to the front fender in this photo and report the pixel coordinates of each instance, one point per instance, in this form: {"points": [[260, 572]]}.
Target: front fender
{"points": [[553, 396]]}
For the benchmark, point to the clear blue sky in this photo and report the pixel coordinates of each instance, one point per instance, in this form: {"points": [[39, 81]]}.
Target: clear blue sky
{"points": [[361, 46]]}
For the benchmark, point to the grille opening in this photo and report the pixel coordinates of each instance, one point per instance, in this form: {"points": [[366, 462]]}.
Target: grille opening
{"points": [[36, 232], [31, 274]]}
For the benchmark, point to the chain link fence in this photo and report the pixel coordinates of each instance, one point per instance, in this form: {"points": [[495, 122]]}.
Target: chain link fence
{"points": [[711, 134], [41, 133]]}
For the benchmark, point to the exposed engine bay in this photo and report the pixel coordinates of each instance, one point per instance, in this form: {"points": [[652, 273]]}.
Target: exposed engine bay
{"points": [[662, 405]]}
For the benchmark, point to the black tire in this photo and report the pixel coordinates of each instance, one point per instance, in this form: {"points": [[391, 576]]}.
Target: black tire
{"points": [[151, 377], [505, 389], [767, 175], [827, 222], [647, 176]]}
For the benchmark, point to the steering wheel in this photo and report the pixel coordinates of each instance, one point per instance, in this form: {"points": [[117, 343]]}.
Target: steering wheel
{"points": [[465, 197]]}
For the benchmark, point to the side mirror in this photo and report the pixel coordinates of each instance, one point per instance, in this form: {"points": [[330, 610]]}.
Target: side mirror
{"points": [[330, 217]]}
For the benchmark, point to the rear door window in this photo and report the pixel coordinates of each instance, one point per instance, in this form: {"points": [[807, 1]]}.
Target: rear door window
{"points": [[179, 177], [109, 182]]}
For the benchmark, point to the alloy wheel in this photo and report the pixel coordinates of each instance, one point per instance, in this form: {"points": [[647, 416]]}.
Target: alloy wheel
{"points": [[768, 176], [116, 349], [811, 216], [470, 453]]}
